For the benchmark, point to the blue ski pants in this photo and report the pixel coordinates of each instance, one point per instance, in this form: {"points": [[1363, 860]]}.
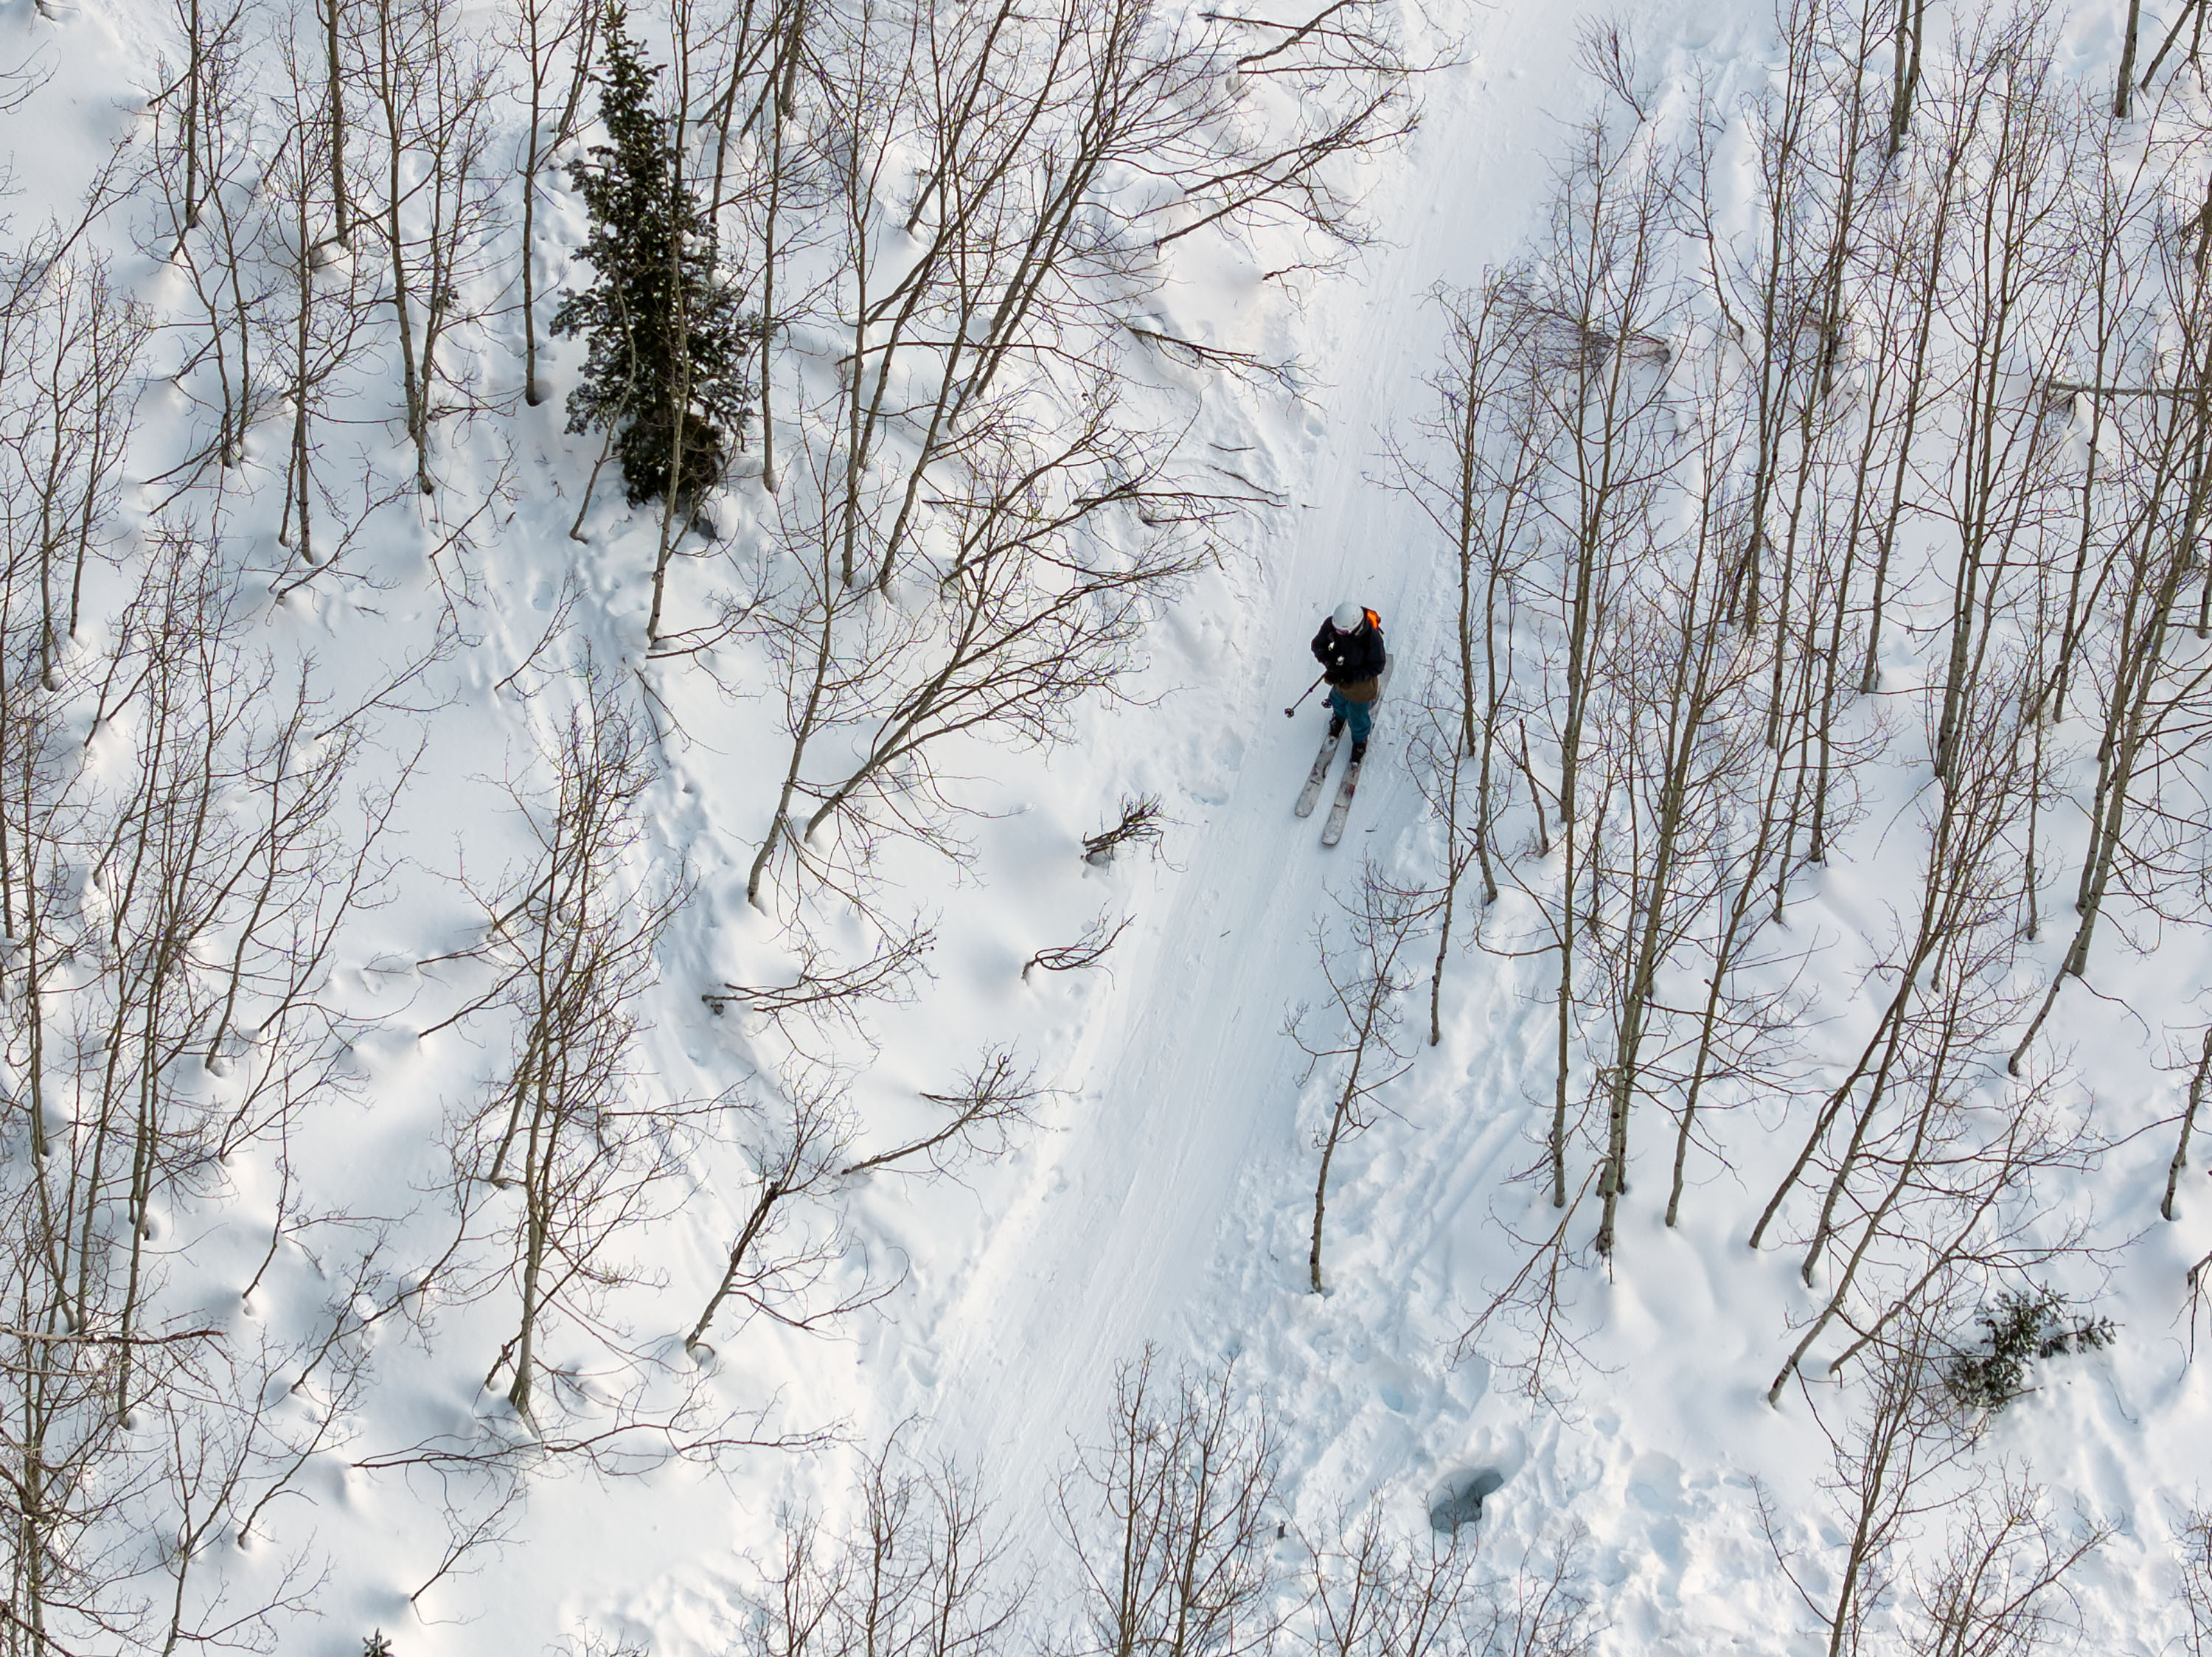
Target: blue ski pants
{"points": [[1360, 716]]}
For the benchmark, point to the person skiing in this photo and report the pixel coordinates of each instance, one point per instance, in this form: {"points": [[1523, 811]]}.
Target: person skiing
{"points": [[1349, 647]]}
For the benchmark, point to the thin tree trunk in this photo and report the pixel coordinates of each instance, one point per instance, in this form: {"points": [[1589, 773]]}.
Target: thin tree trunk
{"points": [[341, 204], [2165, 1209], [2125, 84], [771, 1192]]}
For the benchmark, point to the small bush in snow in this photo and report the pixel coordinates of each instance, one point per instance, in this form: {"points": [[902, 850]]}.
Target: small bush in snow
{"points": [[2025, 1324], [2197, 1580], [1141, 825], [376, 1646]]}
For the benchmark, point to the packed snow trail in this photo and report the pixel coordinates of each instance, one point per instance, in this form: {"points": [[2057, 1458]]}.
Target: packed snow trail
{"points": [[1120, 1242]]}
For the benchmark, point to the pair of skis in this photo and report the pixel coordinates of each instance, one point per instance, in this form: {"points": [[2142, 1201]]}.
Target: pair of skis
{"points": [[1332, 831]]}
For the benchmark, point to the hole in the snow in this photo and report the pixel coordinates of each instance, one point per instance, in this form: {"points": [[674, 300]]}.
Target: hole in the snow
{"points": [[1461, 1501]]}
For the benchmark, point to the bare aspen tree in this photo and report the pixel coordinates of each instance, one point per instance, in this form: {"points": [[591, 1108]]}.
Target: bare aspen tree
{"points": [[1962, 878], [1684, 731], [1597, 305], [1373, 1592], [1481, 494], [208, 180], [1905, 68], [2122, 205], [573, 945], [781, 1259], [2017, 301], [2195, 1547], [326, 305], [336, 29], [1915, 242], [1370, 1593], [1025, 636], [995, 1097], [1364, 986], [2002, 1583], [434, 203], [775, 110], [1168, 1521], [546, 36], [1442, 768], [2123, 86], [1877, 1465], [1901, 1465], [2197, 1084], [923, 1566], [1892, 1455], [214, 34]]}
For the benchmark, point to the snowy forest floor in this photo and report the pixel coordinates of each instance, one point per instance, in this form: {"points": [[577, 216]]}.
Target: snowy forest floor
{"points": [[1165, 1195]]}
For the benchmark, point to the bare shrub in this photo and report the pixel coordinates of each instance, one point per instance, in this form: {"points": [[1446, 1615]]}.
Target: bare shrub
{"points": [[1365, 986], [1168, 1522], [1141, 824]]}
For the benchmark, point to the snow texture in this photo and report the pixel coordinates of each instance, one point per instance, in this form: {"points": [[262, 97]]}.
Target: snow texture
{"points": [[1165, 1197]]}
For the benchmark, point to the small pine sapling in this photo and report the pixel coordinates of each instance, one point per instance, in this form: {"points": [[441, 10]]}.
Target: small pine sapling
{"points": [[2023, 1325], [376, 1646]]}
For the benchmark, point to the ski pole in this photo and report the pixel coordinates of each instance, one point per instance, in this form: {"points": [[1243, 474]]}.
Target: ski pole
{"points": [[1293, 710]]}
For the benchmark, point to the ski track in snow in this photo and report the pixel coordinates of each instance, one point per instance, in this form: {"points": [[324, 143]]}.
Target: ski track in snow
{"points": [[1178, 1201]]}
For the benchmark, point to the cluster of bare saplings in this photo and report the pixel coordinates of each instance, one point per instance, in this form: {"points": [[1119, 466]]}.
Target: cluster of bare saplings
{"points": [[1859, 426], [1842, 437], [1175, 1536], [945, 223], [1852, 433]]}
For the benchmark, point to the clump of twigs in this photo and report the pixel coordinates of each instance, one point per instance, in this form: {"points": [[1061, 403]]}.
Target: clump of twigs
{"points": [[1141, 824], [999, 1096], [1086, 951], [834, 991], [2025, 1324], [2196, 1541]]}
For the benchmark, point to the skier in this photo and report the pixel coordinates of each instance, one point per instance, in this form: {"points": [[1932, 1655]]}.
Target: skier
{"points": [[1349, 647]]}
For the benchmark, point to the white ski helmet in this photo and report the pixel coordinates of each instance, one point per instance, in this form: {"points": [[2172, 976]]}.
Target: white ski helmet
{"points": [[1348, 618]]}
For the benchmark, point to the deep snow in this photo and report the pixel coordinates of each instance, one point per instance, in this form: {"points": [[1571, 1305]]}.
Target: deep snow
{"points": [[1166, 1197]]}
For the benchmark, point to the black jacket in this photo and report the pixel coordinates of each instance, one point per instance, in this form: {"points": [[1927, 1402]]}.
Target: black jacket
{"points": [[1349, 658]]}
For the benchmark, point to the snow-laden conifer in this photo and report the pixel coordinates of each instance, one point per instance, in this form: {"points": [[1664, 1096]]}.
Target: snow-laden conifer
{"points": [[665, 334]]}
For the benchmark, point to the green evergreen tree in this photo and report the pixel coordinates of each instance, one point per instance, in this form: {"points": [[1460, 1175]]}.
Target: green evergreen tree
{"points": [[666, 336]]}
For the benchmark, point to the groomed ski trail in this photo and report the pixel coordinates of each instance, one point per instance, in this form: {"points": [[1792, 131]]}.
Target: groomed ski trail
{"points": [[1120, 1238]]}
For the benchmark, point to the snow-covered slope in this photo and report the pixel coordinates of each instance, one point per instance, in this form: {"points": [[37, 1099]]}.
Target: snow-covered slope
{"points": [[1164, 1194]]}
